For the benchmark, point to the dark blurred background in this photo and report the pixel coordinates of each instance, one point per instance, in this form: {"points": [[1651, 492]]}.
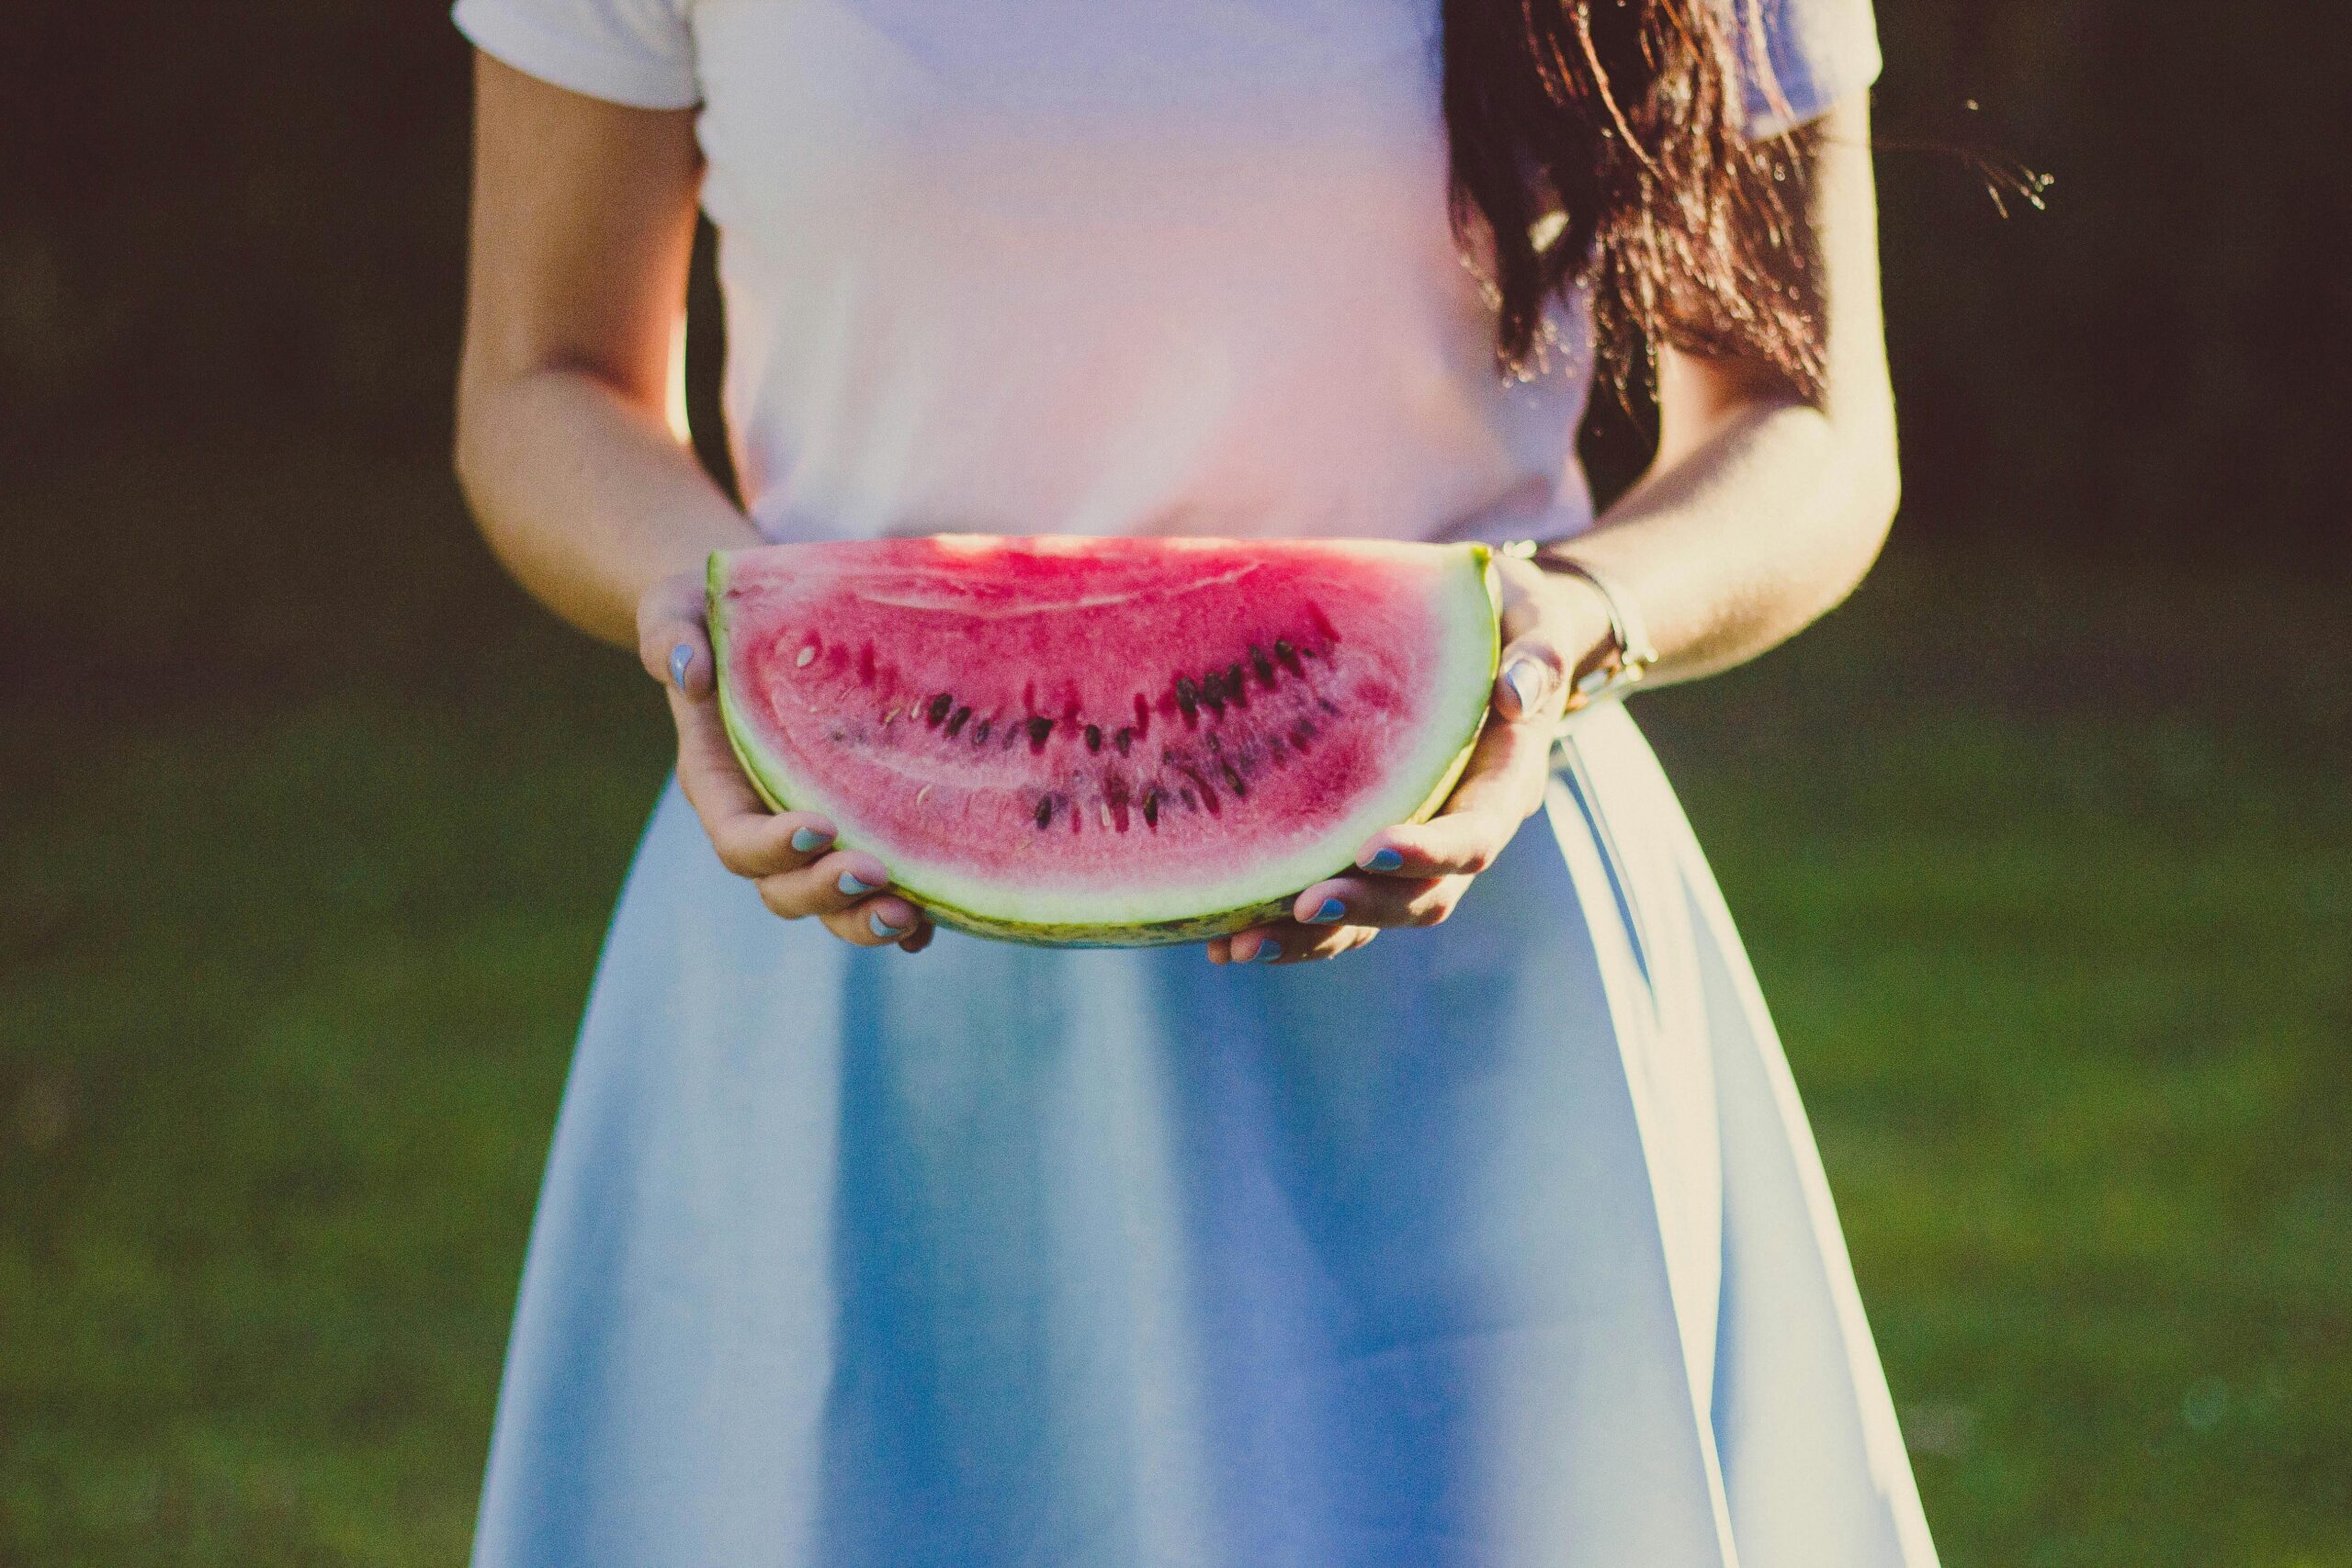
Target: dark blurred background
{"points": [[311, 821]]}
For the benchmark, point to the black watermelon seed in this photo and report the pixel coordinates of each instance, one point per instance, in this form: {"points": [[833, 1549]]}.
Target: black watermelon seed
{"points": [[1038, 729], [980, 733], [1288, 654], [1151, 807], [1262, 664], [1094, 737], [956, 723], [1233, 782], [938, 708], [1124, 738], [1045, 810], [1207, 790], [1212, 693], [1188, 697], [1237, 688]]}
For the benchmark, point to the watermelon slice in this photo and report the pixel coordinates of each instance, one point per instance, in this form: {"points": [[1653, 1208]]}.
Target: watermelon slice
{"points": [[1111, 742]]}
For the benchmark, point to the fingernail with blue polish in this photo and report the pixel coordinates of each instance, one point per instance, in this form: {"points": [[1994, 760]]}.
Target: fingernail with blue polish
{"points": [[1526, 683], [804, 839], [882, 927], [682, 658], [849, 885], [1268, 952], [1383, 860], [1326, 913]]}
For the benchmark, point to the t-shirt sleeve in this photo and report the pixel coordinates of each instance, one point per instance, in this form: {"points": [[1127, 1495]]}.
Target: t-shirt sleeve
{"points": [[1817, 52], [638, 52]]}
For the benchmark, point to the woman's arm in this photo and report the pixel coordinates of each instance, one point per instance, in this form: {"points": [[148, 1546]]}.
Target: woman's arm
{"points": [[571, 443], [1760, 514]]}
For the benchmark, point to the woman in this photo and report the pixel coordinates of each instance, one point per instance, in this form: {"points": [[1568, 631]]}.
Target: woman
{"points": [[1502, 1244]]}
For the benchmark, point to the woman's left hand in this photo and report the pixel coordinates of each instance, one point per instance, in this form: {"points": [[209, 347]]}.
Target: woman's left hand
{"points": [[1552, 627]]}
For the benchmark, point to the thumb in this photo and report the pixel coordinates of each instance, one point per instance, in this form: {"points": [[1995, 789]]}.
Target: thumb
{"points": [[673, 643], [1534, 680]]}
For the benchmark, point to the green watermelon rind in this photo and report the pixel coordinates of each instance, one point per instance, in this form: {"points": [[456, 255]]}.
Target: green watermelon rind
{"points": [[1156, 933]]}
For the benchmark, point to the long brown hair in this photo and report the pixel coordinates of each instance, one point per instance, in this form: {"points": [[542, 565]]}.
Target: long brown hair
{"points": [[1603, 142]]}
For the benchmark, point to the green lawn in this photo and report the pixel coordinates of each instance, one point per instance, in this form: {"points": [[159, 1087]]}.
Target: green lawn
{"points": [[288, 966]]}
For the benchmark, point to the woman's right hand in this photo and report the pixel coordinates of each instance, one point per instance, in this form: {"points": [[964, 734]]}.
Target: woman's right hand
{"points": [[787, 855]]}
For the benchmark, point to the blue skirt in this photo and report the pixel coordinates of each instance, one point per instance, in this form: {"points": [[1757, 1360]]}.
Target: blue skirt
{"points": [[1496, 1245]]}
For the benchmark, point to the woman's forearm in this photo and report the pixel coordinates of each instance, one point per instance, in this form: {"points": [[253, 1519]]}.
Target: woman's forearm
{"points": [[1730, 549], [1734, 547], [1745, 537], [586, 497]]}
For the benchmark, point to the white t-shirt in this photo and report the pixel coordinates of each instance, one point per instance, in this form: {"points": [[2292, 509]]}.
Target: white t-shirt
{"points": [[1105, 266]]}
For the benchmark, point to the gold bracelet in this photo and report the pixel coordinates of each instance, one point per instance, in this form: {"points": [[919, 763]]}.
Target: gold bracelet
{"points": [[1633, 653]]}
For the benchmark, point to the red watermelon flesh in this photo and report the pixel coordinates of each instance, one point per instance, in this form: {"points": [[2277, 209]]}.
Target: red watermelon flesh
{"points": [[1104, 740]]}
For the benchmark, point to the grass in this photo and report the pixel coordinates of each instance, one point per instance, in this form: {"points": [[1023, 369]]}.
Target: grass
{"points": [[299, 894]]}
